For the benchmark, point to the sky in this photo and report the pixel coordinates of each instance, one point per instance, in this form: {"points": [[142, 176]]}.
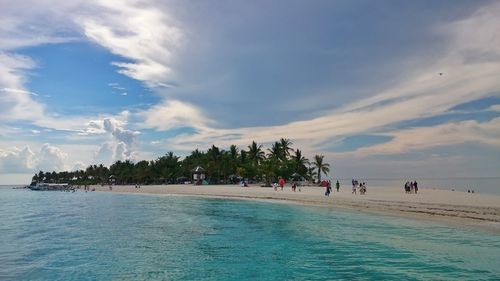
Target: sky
{"points": [[382, 89]]}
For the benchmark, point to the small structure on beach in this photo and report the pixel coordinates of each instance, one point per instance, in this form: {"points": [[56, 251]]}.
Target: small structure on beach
{"points": [[112, 179], [198, 175]]}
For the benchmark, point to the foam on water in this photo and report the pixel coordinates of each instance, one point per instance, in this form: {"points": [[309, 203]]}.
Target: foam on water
{"points": [[102, 236]]}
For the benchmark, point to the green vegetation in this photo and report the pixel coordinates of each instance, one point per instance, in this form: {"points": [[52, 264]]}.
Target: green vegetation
{"points": [[221, 167]]}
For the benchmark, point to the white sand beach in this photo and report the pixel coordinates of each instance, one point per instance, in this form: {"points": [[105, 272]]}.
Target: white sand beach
{"points": [[444, 205]]}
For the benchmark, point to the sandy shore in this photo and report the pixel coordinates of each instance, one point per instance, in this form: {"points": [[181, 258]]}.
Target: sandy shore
{"points": [[451, 206]]}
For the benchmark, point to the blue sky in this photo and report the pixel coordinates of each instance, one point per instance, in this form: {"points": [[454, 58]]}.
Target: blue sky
{"points": [[382, 89]]}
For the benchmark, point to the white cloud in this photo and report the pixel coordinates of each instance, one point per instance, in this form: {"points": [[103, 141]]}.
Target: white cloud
{"points": [[174, 114], [15, 160], [15, 102], [137, 31], [18, 104], [79, 165], [105, 154], [470, 72], [148, 38], [495, 107], [423, 138], [19, 91], [50, 158], [115, 127], [116, 86], [121, 152], [121, 142]]}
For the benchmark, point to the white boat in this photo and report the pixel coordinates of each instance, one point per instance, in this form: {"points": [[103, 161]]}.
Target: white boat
{"points": [[50, 186]]}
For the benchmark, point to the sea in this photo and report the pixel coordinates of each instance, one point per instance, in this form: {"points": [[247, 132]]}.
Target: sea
{"points": [[109, 236]]}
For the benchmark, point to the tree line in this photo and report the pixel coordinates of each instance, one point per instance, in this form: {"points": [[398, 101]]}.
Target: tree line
{"points": [[221, 167]]}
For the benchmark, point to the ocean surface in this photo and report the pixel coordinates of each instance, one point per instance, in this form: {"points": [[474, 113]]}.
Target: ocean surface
{"points": [[103, 236]]}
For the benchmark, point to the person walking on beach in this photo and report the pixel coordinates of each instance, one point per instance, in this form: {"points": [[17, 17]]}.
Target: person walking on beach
{"points": [[328, 189], [337, 185], [415, 186], [281, 182], [354, 188]]}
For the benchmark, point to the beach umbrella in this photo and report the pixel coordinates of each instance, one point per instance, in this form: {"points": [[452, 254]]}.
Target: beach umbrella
{"points": [[198, 169]]}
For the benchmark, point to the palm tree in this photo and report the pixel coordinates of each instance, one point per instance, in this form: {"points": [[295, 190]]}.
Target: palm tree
{"points": [[310, 173], [233, 151], [299, 162], [285, 145], [275, 151], [320, 166], [255, 152]]}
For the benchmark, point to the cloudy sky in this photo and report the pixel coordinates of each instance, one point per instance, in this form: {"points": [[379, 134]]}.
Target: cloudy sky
{"points": [[386, 89]]}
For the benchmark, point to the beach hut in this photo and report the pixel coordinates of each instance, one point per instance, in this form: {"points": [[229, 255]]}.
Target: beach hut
{"points": [[112, 179], [198, 174]]}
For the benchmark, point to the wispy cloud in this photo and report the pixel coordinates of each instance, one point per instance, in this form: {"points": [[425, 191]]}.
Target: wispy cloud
{"points": [[147, 38], [174, 114], [136, 31], [444, 135], [425, 94], [19, 91], [116, 86]]}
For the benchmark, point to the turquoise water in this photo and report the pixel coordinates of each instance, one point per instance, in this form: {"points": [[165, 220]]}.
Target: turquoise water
{"points": [[102, 236]]}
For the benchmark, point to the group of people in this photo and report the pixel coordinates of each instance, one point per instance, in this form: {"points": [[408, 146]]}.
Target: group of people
{"points": [[329, 187], [411, 187], [361, 185], [281, 183]]}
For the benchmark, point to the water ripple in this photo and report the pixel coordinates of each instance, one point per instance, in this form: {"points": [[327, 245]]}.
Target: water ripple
{"points": [[97, 236]]}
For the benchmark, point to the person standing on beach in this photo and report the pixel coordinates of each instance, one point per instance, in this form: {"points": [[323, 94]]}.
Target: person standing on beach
{"points": [[415, 186], [281, 182], [337, 185], [328, 189]]}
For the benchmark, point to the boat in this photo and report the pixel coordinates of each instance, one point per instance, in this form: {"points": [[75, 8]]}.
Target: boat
{"points": [[51, 187]]}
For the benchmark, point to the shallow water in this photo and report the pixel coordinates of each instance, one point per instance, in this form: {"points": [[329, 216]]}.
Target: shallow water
{"points": [[103, 236]]}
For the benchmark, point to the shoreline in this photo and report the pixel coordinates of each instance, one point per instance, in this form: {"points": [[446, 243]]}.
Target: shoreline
{"points": [[451, 207]]}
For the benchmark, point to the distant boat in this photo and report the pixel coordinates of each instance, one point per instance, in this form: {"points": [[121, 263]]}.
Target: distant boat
{"points": [[50, 187]]}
